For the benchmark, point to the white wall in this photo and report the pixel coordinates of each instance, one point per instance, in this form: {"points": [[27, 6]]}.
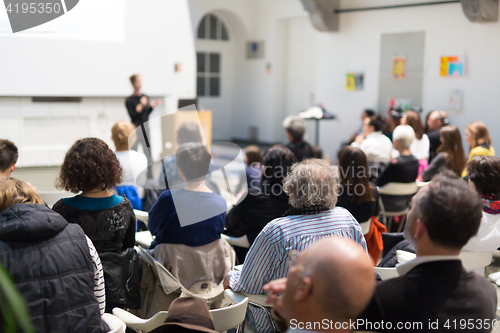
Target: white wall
{"points": [[155, 41], [356, 47]]}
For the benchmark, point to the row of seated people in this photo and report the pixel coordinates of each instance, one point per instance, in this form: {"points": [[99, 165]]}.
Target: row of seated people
{"points": [[307, 208]]}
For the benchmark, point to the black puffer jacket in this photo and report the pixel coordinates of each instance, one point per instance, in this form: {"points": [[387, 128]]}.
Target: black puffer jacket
{"points": [[50, 263]]}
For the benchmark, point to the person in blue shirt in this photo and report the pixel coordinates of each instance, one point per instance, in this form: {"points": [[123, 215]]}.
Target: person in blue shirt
{"points": [[193, 215]]}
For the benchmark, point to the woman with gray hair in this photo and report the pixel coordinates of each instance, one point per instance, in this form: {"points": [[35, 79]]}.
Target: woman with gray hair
{"points": [[312, 188], [295, 128]]}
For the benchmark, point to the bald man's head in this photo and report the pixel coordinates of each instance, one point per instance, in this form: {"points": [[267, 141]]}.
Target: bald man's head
{"points": [[436, 119], [333, 279]]}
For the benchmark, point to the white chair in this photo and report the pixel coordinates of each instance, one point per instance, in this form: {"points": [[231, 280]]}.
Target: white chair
{"points": [[237, 241], [470, 260], [144, 238], [387, 273], [115, 324], [51, 197], [395, 189], [422, 184], [224, 318], [365, 226], [141, 215], [473, 261]]}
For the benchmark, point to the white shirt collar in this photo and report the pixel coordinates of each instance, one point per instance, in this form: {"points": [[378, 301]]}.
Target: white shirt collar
{"points": [[403, 269]]}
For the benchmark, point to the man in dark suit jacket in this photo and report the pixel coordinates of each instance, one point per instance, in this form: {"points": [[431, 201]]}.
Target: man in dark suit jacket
{"points": [[434, 293]]}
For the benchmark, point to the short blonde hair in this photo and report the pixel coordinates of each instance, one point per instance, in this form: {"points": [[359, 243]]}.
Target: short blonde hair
{"points": [[311, 182], [14, 191], [120, 133]]}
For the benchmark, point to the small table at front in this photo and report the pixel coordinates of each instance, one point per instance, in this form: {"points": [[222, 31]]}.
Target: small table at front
{"points": [[316, 138]]}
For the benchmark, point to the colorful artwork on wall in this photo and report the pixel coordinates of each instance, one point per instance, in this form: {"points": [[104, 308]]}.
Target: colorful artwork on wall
{"points": [[354, 81], [453, 66], [399, 68]]}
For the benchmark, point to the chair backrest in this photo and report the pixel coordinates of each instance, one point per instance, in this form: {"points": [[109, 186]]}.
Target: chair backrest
{"points": [[224, 318], [141, 215], [115, 324], [237, 241], [137, 323], [231, 316], [387, 273], [470, 260], [143, 238], [365, 226], [399, 189], [475, 260], [51, 197]]}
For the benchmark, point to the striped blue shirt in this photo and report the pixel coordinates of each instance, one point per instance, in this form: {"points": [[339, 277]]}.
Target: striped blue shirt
{"points": [[267, 259]]}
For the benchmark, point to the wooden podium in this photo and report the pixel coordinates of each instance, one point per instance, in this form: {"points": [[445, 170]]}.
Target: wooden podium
{"points": [[171, 122]]}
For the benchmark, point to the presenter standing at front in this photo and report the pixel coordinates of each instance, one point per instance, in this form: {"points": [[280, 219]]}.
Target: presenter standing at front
{"points": [[139, 108]]}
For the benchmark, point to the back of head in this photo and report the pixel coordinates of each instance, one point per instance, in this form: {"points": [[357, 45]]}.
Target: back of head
{"points": [[484, 173], [481, 134], [120, 133], [368, 113], [277, 162], [89, 165], [295, 126], [311, 182], [377, 122], [354, 173], [452, 145], [8, 154], [342, 276], [405, 134], [413, 119], [193, 159], [317, 152], [133, 78], [188, 132], [451, 211], [14, 191], [253, 154]]}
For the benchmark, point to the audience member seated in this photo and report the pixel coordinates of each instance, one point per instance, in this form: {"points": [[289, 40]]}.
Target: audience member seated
{"points": [[8, 158], [434, 289], [367, 113], [264, 204], [312, 188], [187, 315], [107, 219], [421, 145], [188, 222], [478, 138], [450, 154], [484, 177], [360, 197], [435, 121], [357, 195], [393, 120], [252, 159], [376, 146], [54, 265], [188, 132], [134, 164], [295, 128], [331, 281], [403, 170]]}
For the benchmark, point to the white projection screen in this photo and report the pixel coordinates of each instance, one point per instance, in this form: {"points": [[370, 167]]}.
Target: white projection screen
{"points": [[89, 51]]}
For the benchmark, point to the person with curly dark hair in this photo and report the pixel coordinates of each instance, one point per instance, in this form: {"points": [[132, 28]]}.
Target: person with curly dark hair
{"points": [[92, 168]]}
